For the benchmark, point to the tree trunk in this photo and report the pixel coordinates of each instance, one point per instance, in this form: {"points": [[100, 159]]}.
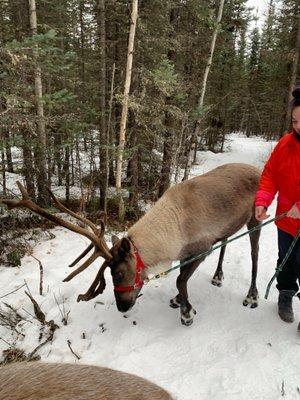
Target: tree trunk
{"points": [[10, 167], [125, 107], [167, 160], [204, 83], [58, 156], [293, 77], [72, 182], [133, 171], [111, 142], [103, 132], [82, 48], [169, 126], [28, 169], [67, 173], [211, 53], [40, 150], [3, 173]]}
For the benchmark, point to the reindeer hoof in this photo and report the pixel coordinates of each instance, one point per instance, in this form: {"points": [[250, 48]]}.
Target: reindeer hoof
{"points": [[174, 303], [186, 318], [216, 282], [250, 300], [187, 322]]}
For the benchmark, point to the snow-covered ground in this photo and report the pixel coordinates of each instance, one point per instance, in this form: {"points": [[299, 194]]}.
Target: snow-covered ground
{"points": [[230, 352]]}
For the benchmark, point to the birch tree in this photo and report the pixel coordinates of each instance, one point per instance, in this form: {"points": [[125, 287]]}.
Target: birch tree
{"points": [[192, 155], [103, 132], [122, 135], [40, 147]]}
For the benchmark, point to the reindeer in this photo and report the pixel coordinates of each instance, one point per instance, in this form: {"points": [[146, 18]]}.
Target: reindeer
{"points": [[187, 220], [38, 381]]}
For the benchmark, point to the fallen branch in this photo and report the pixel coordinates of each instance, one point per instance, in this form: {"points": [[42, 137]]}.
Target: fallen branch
{"points": [[52, 329], [10, 319], [72, 351], [37, 310], [41, 274], [7, 294], [42, 319]]}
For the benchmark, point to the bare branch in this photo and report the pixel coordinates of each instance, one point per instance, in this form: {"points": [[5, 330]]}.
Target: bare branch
{"points": [[18, 288], [72, 351]]}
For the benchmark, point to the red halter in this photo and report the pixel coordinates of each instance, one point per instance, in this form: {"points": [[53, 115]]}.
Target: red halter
{"points": [[138, 282]]}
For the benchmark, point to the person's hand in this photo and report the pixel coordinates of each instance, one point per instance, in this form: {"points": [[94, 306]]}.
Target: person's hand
{"points": [[294, 212], [261, 213]]}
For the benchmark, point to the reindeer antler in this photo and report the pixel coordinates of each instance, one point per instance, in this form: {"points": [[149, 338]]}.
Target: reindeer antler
{"points": [[96, 236], [97, 287]]}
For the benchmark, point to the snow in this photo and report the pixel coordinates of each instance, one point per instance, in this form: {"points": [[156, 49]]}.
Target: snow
{"points": [[230, 352]]}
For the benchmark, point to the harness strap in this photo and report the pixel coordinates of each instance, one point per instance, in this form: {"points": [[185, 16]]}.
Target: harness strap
{"points": [[138, 282]]}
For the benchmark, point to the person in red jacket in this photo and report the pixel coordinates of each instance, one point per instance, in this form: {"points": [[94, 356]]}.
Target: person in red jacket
{"points": [[281, 175]]}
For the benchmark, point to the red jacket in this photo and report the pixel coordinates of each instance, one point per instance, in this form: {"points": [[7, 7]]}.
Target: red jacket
{"points": [[282, 174]]}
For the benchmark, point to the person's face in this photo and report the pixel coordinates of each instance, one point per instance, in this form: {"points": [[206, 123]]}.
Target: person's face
{"points": [[296, 119]]}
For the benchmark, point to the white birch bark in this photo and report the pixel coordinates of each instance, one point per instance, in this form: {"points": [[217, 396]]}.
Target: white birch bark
{"points": [[211, 54], [122, 135], [192, 154], [40, 147], [37, 76]]}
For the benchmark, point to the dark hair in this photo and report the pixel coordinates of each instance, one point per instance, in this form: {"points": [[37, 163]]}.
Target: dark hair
{"points": [[296, 97]]}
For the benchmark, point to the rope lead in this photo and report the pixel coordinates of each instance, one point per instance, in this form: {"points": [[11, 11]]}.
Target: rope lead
{"points": [[281, 265], [224, 243]]}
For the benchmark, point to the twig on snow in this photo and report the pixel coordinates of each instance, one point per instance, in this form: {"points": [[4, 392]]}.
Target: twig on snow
{"points": [[41, 274], [282, 389], [72, 351], [18, 288]]}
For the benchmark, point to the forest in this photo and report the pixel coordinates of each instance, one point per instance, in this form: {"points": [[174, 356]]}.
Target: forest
{"points": [[74, 117], [106, 105]]}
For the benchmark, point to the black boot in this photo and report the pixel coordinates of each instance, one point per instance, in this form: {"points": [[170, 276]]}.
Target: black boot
{"points": [[285, 309]]}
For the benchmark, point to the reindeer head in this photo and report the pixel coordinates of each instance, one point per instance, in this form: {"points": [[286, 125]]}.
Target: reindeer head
{"points": [[126, 271], [122, 259]]}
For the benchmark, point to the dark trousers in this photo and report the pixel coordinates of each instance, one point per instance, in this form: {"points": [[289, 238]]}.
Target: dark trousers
{"points": [[289, 277]]}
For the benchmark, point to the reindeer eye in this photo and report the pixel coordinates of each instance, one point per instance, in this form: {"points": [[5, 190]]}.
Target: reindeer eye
{"points": [[119, 276]]}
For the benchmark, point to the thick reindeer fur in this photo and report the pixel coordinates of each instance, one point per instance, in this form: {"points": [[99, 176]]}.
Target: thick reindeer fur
{"points": [[193, 215], [189, 219], [39, 381]]}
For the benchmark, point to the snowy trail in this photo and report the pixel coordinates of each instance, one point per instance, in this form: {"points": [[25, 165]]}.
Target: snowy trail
{"points": [[230, 352]]}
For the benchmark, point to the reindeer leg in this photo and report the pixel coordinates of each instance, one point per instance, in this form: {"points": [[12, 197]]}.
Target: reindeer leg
{"points": [[176, 302], [219, 275], [252, 295], [186, 310]]}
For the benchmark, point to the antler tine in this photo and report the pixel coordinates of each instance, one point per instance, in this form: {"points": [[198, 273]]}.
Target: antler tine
{"points": [[98, 242], [63, 208], [97, 287], [84, 253], [97, 232], [88, 262], [11, 203], [24, 192]]}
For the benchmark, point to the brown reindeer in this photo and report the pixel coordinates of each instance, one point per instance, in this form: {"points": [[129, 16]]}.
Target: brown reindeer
{"points": [[187, 220], [40, 381]]}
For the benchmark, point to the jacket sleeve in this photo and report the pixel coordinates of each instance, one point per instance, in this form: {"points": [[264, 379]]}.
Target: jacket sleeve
{"points": [[267, 186]]}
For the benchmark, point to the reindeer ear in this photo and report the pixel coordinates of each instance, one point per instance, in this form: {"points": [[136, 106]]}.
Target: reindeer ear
{"points": [[114, 239], [125, 247]]}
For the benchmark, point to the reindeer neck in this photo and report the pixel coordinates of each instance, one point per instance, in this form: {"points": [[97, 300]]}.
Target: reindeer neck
{"points": [[157, 240]]}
